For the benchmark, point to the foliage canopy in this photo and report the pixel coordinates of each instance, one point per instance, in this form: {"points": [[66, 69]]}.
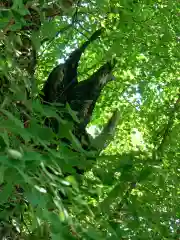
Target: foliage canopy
{"points": [[132, 191]]}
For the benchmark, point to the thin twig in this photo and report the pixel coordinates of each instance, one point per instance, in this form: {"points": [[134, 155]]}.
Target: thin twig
{"points": [[51, 41]]}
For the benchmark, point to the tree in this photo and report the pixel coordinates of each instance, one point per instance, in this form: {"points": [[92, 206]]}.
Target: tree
{"points": [[131, 188]]}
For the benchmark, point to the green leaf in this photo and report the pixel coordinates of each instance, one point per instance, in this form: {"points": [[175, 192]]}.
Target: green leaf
{"points": [[144, 174], [14, 154], [19, 7], [72, 113], [40, 133], [93, 234], [36, 198], [36, 40], [2, 170], [16, 26], [12, 118], [48, 30], [3, 141], [56, 236], [6, 192]]}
